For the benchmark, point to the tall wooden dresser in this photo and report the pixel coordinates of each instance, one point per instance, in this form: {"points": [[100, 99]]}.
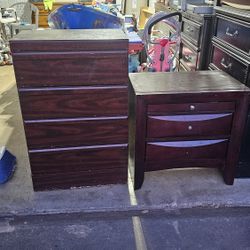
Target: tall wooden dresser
{"points": [[73, 91], [231, 53]]}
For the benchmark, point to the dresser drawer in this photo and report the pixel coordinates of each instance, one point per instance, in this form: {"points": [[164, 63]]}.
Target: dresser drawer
{"points": [[189, 57], [71, 68], [189, 125], [76, 132], [205, 149], [175, 108], [234, 32], [229, 63], [192, 31], [79, 166], [73, 103]]}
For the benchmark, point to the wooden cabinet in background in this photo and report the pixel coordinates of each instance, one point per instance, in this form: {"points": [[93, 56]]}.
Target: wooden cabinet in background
{"points": [[231, 53]]}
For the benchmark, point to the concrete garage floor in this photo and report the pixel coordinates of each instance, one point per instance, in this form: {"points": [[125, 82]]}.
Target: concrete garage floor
{"points": [[114, 216]]}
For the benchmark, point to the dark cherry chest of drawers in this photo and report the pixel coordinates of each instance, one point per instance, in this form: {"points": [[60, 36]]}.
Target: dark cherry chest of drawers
{"points": [[73, 90], [186, 119], [231, 53]]}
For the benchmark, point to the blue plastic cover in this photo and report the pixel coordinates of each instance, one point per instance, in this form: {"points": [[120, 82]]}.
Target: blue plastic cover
{"points": [[77, 16]]}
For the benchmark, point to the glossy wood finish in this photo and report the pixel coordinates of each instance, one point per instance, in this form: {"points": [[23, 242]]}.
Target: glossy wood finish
{"points": [[86, 102], [189, 125], [190, 108], [76, 132], [231, 53], [73, 90], [196, 41], [189, 119], [185, 150], [71, 68], [64, 168], [233, 32]]}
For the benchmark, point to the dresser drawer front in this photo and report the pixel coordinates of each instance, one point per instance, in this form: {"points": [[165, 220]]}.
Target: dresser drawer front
{"points": [[73, 103], [190, 108], [209, 149], [71, 68], [234, 32], [189, 57], [226, 62], [189, 125], [76, 132], [73, 167], [192, 31]]}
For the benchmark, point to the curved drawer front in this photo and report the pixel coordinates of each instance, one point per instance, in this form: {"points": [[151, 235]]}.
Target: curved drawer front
{"points": [[163, 109], [235, 33], [71, 68], [185, 125], [232, 65], [73, 103], [205, 149]]}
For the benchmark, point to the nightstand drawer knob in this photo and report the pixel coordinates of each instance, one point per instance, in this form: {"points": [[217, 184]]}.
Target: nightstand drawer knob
{"points": [[192, 107], [190, 127]]}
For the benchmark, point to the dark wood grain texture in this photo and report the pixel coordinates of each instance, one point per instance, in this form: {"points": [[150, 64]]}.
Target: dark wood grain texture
{"points": [[189, 125], [73, 102], [73, 93], [71, 68], [76, 132], [203, 113]]}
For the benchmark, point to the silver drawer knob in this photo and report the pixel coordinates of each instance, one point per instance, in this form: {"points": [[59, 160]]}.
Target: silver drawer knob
{"points": [[192, 107], [190, 127]]}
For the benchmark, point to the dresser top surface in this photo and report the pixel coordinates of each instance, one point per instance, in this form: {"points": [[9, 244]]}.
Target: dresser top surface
{"points": [[184, 82], [70, 34]]}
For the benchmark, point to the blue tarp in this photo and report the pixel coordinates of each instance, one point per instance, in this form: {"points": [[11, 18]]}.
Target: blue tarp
{"points": [[77, 16]]}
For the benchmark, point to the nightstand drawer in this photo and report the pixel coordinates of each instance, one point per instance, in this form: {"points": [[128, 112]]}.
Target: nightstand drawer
{"points": [[189, 125], [205, 149], [192, 31], [190, 108], [234, 32], [229, 63]]}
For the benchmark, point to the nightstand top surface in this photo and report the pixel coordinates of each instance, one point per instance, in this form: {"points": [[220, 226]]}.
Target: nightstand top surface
{"points": [[184, 82]]}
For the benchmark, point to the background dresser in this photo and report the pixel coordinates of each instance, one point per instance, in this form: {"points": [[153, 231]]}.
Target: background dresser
{"points": [[189, 119], [73, 88], [231, 53], [197, 30]]}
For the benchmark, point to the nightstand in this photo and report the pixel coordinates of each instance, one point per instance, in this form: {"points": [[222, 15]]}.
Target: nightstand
{"points": [[186, 119]]}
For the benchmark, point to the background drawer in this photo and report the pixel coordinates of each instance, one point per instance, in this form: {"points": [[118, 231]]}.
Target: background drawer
{"points": [[189, 57], [192, 31], [71, 68], [175, 108], [186, 125], [79, 167], [229, 63], [73, 103], [206, 149], [76, 132], [234, 32]]}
